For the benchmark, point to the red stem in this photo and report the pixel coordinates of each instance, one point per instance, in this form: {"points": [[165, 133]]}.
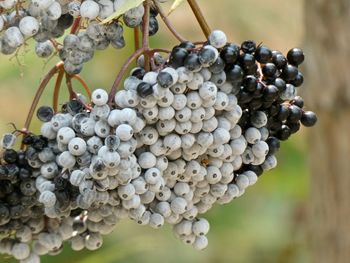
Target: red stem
{"points": [[56, 92], [168, 23], [39, 92], [72, 94], [122, 72], [75, 25], [84, 84]]}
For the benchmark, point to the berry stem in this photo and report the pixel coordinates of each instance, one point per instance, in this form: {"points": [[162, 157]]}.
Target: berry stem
{"points": [[57, 88], [70, 86], [122, 72], [136, 38], [145, 33], [168, 23], [200, 17], [84, 84], [154, 50], [39, 92], [76, 25]]}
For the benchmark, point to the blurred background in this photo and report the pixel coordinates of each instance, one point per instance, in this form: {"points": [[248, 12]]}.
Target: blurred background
{"points": [[271, 222]]}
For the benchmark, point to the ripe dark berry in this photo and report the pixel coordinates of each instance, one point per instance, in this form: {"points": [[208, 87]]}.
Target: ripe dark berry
{"points": [[263, 54], [4, 214], [254, 168], [39, 143], [230, 53], [295, 56], [279, 59], [298, 101], [177, 57], [284, 133], [74, 107], [187, 45], [308, 119], [217, 66], [269, 70], [255, 104], [153, 26], [144, 89], [295, 114], [280, 84], [192, 62], [234, 74], [24, 173], [65, 21], [294, 127], [138, 73], [250, 83], [45, 113], [290, 72], [298, 81], [247, 60], [207, 56], [10, 156], [274, 145], [28, 139], [258, 92], [165, 80], [270, 93], [283, 113], [248, 46]]}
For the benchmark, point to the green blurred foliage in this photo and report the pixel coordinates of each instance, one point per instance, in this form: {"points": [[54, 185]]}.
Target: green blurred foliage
{"points": [[267, 224]]}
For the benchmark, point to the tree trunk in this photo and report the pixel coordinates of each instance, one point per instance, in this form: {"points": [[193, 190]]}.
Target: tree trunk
{"points": [[328, 94]]}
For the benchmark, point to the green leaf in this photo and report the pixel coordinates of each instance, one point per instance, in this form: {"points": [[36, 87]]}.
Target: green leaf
{"points": [[175, 5], [127, 5]]}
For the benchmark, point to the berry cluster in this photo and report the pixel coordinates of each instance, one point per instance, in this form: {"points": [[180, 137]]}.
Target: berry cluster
{"points": [[47, 20], [198, 129]]}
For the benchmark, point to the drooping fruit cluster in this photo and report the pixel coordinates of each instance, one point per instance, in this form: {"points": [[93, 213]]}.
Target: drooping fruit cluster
{"points": [[197, 130], [47, 20]]}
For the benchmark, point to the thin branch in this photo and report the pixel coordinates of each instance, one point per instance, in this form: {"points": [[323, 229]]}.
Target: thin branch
{"points": [[39, 92], [57, 88], [122, 72], [145, 32], [76, 25], [168, 23], [137, 38], [159, 50], [72, 94], [84, 84], [200, 17]]}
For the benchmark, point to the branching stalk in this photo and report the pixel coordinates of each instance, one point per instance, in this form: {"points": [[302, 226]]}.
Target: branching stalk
{"points": [[39, 93], [84, 84], [122, 72]]}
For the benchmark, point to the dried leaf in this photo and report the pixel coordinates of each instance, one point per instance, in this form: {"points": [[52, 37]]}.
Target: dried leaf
{"points": [[175, 5], [127, 5]]}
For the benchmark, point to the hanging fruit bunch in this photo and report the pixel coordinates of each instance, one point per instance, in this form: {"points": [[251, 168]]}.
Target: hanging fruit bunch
{"points": [[189, 127]]}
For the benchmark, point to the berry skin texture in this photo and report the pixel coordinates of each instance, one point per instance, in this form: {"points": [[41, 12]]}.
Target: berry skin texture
{"points": [[29, 26], [217, 39], [89, 9], [308, 119], [295, 56]]}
